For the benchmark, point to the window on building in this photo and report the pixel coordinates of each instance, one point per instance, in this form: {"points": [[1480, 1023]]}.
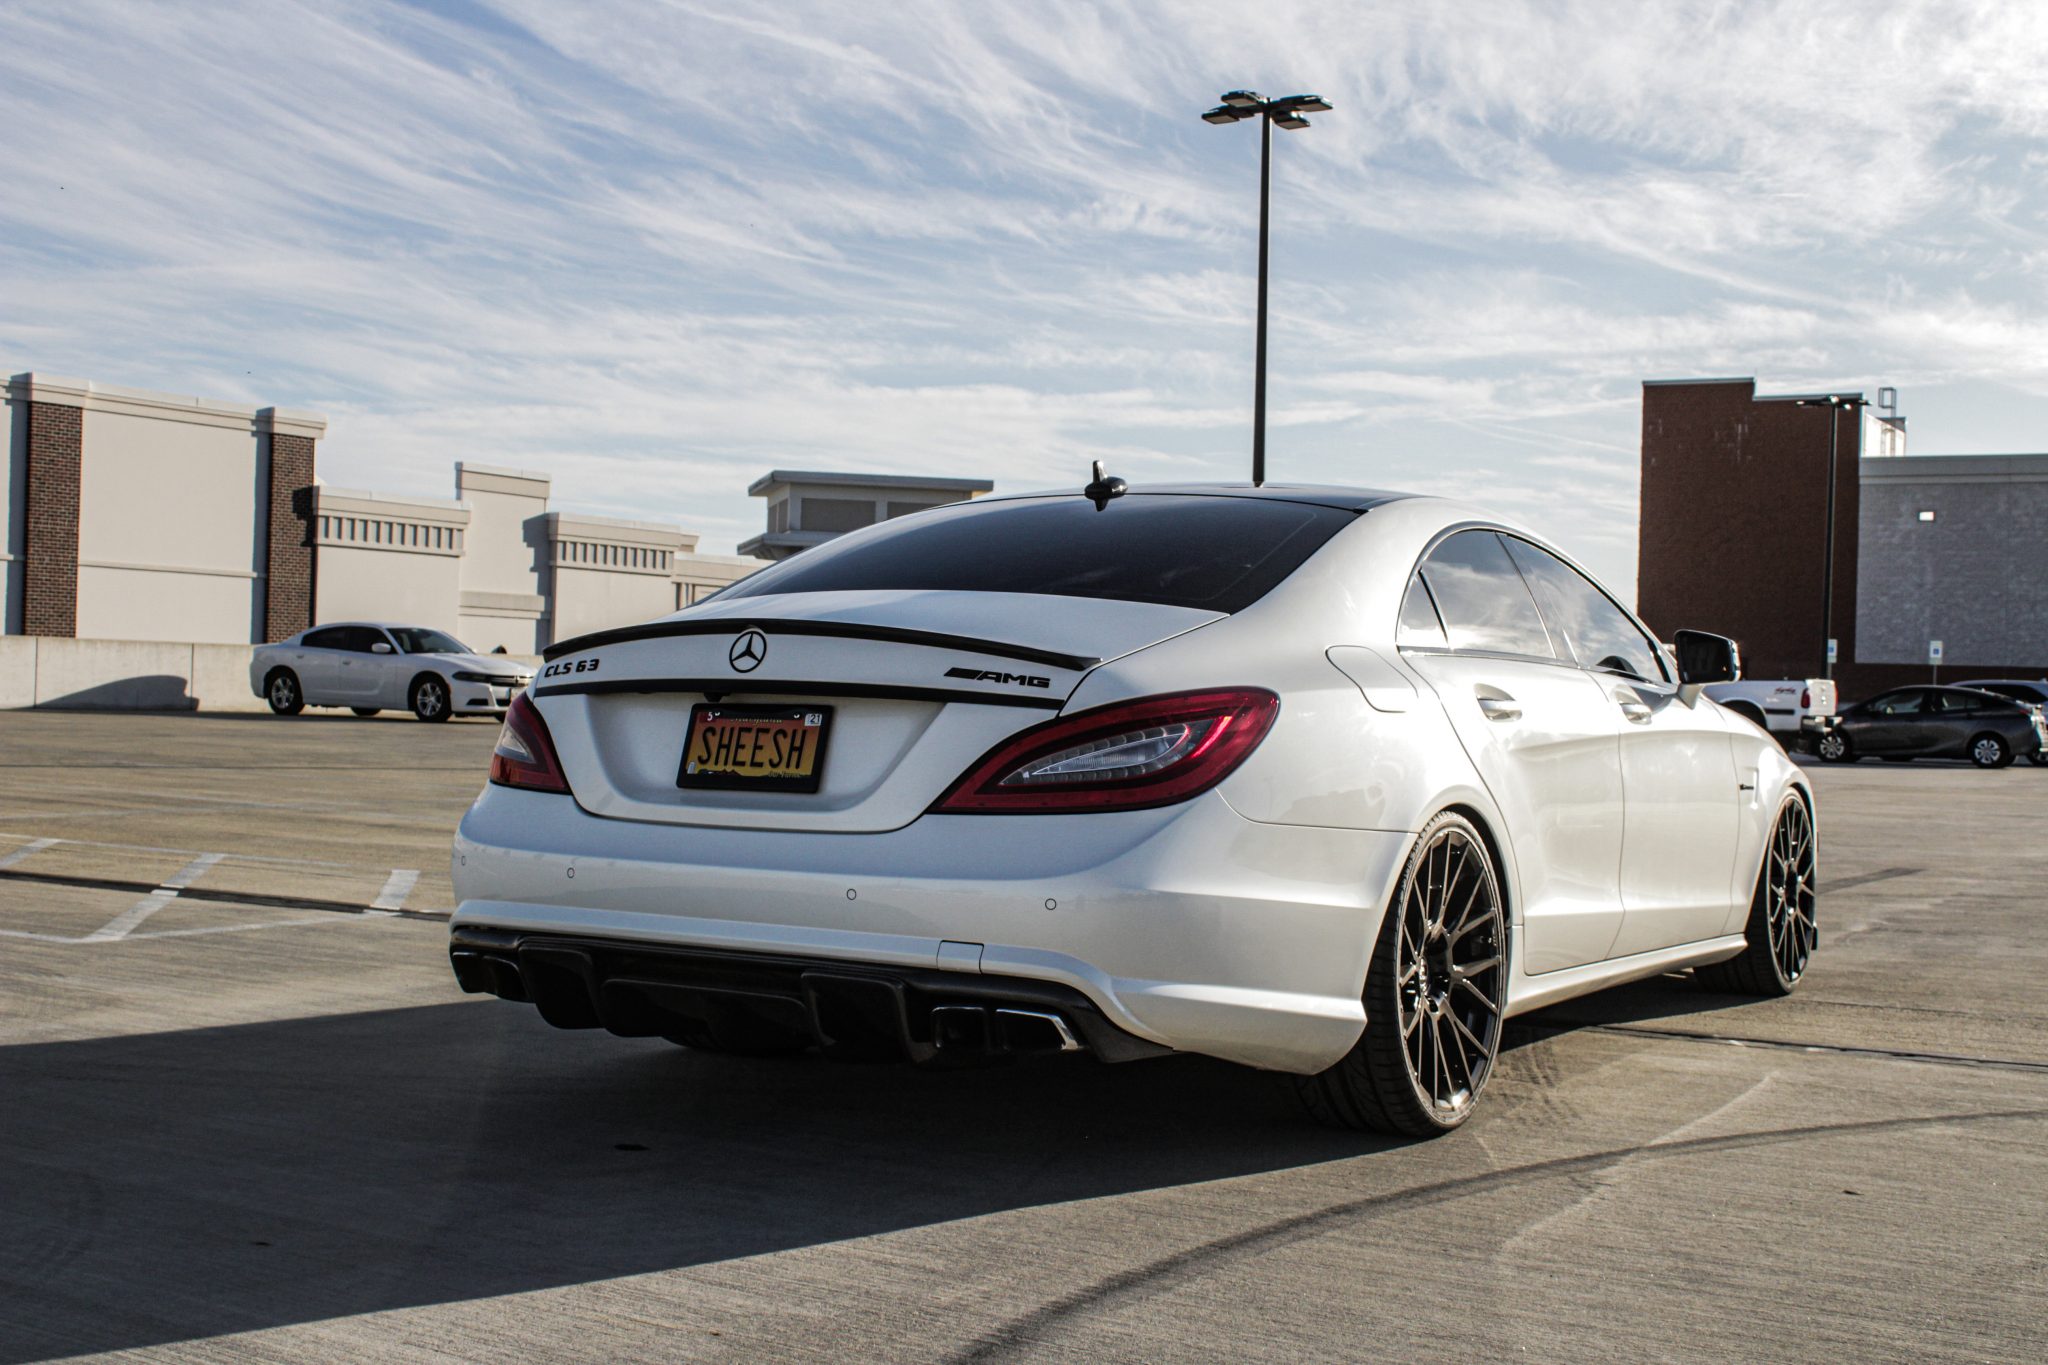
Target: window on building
{"points": [[835, 514], [1484, 602]]}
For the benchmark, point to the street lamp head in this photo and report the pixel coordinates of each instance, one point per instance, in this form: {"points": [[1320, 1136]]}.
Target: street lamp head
{"points": [[1310, 104], [1222, 113], [1290, 121], [1242, 99]]}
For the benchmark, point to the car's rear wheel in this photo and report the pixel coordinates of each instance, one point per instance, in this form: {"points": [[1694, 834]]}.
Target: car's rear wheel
{"points": [[1433, 995], [367, 711], [2039, 758], [430, 698], [1782, 928], [281, 690], [1990, 751], [1834, 747]]}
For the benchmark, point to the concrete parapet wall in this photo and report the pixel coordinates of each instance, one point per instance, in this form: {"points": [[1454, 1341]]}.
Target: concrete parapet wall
{"points": [[123, 675]]}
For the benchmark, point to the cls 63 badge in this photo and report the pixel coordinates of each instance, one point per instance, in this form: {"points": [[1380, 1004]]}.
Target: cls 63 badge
{"points": [[570, 666]]}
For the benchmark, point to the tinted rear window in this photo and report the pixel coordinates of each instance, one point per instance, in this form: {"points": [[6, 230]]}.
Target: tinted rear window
{"points": [[1216, 554]]}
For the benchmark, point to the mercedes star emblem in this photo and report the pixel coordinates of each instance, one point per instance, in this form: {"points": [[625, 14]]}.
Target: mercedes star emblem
{"points": [[747, 652]]}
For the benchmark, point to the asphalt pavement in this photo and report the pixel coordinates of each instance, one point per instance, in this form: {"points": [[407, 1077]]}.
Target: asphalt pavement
{"points": [[245, 1114]]}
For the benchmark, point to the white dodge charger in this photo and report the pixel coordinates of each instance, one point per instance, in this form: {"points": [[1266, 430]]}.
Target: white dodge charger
{"points": [[368, 667], [1319, 780]]}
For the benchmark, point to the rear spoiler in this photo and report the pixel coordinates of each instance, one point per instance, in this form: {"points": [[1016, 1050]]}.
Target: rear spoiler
{"points": [[661, 630]]}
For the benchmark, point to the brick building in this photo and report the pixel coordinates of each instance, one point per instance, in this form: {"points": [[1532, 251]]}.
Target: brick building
{"points": [[1732, 538]]}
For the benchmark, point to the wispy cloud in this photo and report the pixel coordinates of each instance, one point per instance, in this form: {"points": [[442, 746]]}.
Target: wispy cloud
{"points": [[657, 248]]}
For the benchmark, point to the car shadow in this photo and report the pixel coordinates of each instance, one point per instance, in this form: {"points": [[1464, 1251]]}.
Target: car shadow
{"points": [[187, 1184], [1673, 995]]}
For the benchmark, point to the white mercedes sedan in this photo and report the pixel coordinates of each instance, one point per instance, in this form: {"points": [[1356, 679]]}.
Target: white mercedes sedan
{"points": [[1319, 780], [369, 667]]}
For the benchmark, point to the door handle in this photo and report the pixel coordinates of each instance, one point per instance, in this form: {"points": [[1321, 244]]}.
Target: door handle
{"points": [[1633, 706], [1500, 708]]}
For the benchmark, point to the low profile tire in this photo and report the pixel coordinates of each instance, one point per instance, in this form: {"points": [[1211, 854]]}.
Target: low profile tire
{"points": [[1782, 929], [1990, 751], [281, 690], [367, 711], [1433, 996], [1834, 747], [430, 698]]}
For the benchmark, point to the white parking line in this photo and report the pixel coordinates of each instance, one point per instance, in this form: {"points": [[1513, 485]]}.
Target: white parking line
{"points": [[131, 918], [32, 847], [397, 887]]}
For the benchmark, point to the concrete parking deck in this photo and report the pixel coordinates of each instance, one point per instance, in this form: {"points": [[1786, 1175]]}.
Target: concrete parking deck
{"points": [[245, 1114]]}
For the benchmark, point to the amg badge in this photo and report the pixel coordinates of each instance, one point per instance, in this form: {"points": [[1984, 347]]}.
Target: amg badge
{"points": [[983, 675]]}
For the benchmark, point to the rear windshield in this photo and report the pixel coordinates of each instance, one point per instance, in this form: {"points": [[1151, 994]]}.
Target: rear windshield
{"points": [[1216, 554]]}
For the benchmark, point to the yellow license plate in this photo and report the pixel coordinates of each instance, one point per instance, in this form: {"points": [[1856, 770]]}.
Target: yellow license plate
{"points": [[755, 748]]}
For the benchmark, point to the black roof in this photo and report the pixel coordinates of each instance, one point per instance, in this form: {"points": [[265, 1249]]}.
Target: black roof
{"points": [[1316, 494]]}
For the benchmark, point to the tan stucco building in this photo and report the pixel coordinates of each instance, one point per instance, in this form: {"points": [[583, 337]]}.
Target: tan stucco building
{"points": [[132, 515]]}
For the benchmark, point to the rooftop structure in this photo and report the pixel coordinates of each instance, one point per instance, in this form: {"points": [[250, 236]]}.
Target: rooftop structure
{"points": [[806, 508]]}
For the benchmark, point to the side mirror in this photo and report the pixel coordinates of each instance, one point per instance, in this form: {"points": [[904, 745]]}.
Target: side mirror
{"points": [[379, 647], [1704, 658]]}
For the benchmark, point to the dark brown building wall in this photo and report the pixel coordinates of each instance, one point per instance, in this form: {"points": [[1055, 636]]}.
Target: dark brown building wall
{"points": [[56, 443], [1734, 510], [288, 602]]}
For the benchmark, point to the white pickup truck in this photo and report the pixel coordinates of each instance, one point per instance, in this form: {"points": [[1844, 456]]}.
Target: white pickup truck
{"points": [[1779, 705]]}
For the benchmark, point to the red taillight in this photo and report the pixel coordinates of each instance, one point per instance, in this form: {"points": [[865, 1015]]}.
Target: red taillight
{"points": [[525, 756], [1127, 756], [1805, 698]]}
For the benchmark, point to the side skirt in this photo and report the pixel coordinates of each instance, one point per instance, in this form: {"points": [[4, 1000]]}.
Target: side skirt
{"points": [[1534, 992]]}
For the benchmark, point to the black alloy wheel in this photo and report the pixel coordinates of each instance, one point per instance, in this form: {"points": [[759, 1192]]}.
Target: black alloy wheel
{"points": [[281, 690], [1834, 747], [430, 698], [1990, 751], [1783, 929], [1433, 996]]}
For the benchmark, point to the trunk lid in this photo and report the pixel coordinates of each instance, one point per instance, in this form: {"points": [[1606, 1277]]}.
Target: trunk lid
{"points": [[918, 684]]}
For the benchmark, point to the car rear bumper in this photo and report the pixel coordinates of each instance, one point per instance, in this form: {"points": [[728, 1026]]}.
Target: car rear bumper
{"points": [[1190, 927]]}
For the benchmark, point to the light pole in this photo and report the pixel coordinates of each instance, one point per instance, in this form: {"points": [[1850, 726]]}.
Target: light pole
{"points": [[1835, 403], [1286, 111]]}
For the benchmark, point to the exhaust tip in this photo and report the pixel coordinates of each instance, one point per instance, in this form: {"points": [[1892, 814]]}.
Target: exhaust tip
{"points": [[960, 1028], [1035, 1031]]}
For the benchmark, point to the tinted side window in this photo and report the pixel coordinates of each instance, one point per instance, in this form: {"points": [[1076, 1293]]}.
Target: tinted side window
{"points": [[1905, 703], [1419, 624], [358, 639], [1483, 600], [333, 637], [1214, 553], [1584, 619]]}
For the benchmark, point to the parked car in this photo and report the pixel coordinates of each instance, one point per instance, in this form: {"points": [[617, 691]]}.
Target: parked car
{"points": [[2034, 694], [1324, 781], [1935, 722], [368, 666], [1779, 705]]}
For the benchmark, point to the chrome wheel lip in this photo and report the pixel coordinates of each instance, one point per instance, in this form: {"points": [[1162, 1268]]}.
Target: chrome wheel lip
{"points": [[1790, 893], [1450, 982]]}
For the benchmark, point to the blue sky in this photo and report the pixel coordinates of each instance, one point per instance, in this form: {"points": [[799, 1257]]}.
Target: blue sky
{"points": [[657, 249]]}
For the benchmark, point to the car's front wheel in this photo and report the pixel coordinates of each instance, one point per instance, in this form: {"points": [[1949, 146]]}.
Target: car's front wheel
{"points": [[1433, 995], [1782, 929], [1833, 747], [1990, 751], [281, 690], [430, 698]]}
